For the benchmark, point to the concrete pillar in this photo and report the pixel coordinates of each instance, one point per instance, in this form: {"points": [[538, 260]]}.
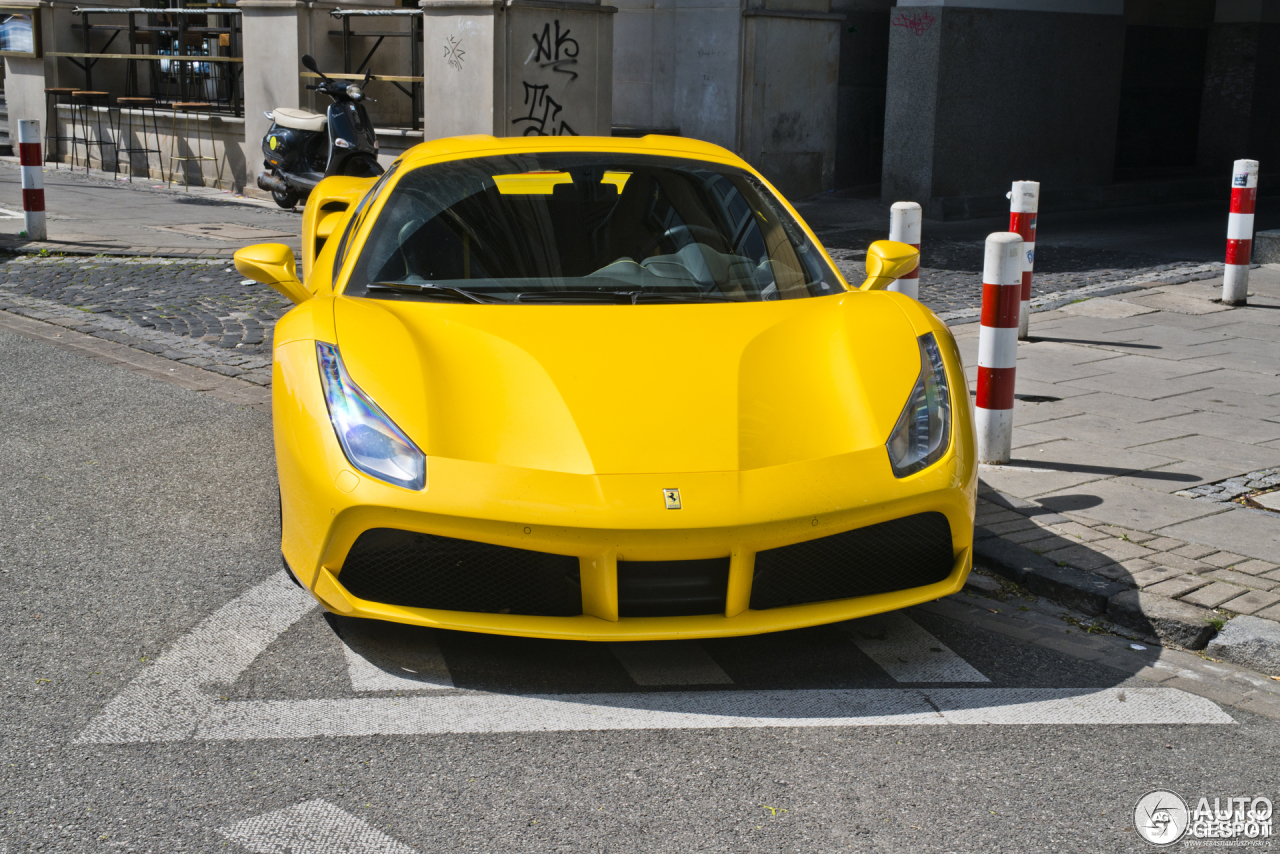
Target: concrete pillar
{"points": [[953, 143], [1240, 109], [276, 35], [25, 79], [527, 67]]}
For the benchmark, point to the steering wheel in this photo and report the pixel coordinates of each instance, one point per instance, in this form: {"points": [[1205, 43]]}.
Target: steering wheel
{"points": [[698, 233]]}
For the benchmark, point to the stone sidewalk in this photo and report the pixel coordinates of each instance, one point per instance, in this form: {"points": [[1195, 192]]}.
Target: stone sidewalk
{"points": [[100, 214], [1146, 473]]}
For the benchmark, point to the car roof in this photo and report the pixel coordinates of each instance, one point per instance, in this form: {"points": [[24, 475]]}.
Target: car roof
{"points": [[482, 145]]}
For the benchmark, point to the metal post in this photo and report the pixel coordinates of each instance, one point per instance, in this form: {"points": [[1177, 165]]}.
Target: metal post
{"points": [[131, 66], [183, 68], [346, 44], [998, 346], [88, 62], [904, 227], [1244, 192]]}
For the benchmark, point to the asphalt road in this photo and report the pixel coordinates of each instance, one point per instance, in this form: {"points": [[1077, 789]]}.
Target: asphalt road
{"points": [[167, 691]]}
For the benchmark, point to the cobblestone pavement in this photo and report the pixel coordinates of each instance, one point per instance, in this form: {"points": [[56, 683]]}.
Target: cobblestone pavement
{"points": [[197, 312]]}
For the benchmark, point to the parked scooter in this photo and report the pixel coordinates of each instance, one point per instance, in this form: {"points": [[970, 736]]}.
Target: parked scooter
{"points": [[303, 148]]}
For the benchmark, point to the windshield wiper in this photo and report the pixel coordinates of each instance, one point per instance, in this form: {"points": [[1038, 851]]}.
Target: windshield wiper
{"points": [[427, 289], [606, 297], [650, 296], [618, 297]]}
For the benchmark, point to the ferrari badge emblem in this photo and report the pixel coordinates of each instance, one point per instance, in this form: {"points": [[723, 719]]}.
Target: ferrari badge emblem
{"points": [[673, 498]]}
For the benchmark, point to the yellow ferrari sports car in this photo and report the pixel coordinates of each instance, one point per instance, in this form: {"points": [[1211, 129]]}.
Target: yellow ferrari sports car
{"points": [[606, 389]]}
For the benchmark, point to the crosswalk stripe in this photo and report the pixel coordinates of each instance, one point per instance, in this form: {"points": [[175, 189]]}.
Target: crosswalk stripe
{"points": [[682, 662], [907, 652], [492, 713], [378, 659], [170, 699], [314, 827]]}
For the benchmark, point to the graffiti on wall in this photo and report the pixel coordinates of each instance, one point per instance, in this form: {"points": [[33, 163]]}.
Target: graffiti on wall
{"points": [[917, 23], [453, 52], [555, 50], [543, 114]]}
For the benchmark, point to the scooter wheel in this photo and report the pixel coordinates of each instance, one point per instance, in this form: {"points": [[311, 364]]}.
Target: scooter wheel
{"points": [[286, 200]]}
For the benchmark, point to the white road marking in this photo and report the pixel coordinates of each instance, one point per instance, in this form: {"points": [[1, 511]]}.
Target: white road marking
{"points": [[172, 695], [682, 662], [907, 652], [174, 698], [381, 658], [494, 713], [314, 827]]}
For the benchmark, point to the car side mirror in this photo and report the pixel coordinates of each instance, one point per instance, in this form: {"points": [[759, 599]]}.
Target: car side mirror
{"points": [[888, 260], [273, 264]]}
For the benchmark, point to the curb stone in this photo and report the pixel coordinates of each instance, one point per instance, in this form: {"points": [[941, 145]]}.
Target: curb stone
{"points": [[1250, 641], [1075, 588], [1178, 622], [1186, 625]]}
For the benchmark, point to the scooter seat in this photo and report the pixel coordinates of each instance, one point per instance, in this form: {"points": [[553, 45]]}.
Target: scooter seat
{"points": [[289, 117]]}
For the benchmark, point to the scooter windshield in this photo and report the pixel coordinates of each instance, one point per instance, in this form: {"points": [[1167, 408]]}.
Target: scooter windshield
{"points": [[587, 227]]}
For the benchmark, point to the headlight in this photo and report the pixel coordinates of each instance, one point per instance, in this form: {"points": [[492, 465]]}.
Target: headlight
{"points": [[371, 441], [922, 433], [354, 92]]}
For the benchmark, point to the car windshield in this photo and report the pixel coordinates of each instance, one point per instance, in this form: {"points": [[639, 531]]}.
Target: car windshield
{"points": [[586, 227]]}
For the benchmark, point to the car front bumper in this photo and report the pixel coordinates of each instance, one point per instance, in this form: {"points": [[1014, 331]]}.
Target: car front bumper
{"points": [[603, 519]]}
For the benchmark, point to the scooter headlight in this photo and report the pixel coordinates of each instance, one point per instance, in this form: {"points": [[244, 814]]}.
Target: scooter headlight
{"points": [[371, 440], [354, 92], [923, 431]]}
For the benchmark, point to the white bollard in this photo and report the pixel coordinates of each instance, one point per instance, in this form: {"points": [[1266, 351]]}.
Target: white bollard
{"points": [[904, 227], [1244, 192], [32, 179], [998, 346], [1024, 203]]}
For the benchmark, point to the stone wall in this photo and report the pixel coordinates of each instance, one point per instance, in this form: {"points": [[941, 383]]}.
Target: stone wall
{"points": [[978, 98]]}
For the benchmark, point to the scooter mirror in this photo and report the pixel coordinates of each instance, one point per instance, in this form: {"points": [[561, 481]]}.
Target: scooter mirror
{"points": [[310, 63]]}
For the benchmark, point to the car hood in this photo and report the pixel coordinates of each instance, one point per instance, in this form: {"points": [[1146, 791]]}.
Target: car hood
{"points": [[622, 389]]}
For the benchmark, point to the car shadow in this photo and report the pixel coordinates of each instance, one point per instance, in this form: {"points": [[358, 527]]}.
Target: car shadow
{"points": [[1109, 471]]}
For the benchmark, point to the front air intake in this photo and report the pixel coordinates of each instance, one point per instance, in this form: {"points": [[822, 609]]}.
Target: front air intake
{"points": [[426, 571], [896, 555], [672, 588]]}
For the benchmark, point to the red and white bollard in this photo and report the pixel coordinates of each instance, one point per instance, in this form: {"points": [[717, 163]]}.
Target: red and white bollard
{"points": [[998, 345], [1244, 191], [904, 227], [32, 179], [1024, 202]]}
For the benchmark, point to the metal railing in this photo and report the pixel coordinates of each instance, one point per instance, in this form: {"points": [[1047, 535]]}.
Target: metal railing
{"points": [[414, 78], [196, 55]]}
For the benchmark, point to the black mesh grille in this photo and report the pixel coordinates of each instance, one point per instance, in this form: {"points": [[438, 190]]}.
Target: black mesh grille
{"points": [[426, 571], [672, 588], [896, 555]]}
